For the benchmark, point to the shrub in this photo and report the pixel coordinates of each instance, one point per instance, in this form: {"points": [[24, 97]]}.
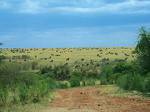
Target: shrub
{"points": [[103, 80], [106, 72], [3, 96], [122, 82], [63, 85], [110, 73], [46, 70], [52, 84], [61, 72], [8, 74], [123, 67], [75, 79], [112, 79], [34, 65], [89, 82], [131, 82], [147, 83], [24, 87], [23, 93]]}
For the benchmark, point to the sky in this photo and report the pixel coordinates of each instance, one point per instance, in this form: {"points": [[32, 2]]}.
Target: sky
{"points": [[72, 23]]}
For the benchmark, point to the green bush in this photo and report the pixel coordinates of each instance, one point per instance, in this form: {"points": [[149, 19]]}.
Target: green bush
{"points": [[106, 72], [61, 72], [52, 84], [131, 82], [75, 79], [23, 93], [9, 74], [122, 82], [17, 86], [63, 85], [126, 75], [147, 83], [103, 80], [3, 96], [112, 79], [125, 67], [46, 69], [35, 86], [89, 82]]}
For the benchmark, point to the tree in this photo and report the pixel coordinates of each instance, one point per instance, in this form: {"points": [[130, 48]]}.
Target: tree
{"points": [[143, 50]]}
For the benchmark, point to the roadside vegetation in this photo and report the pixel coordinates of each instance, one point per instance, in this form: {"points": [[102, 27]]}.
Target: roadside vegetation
{"points": [[24, 80], [134, 75]]}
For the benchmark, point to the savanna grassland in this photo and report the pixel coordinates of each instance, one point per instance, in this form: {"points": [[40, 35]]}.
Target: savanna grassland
{"points": [[67, 55], [76, 79], [63, 69]]}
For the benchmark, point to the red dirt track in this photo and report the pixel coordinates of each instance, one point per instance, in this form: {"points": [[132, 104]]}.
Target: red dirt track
{"points": [[91, 99]]}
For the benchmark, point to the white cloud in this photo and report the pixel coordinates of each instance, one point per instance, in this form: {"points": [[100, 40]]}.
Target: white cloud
{"points": [[131, 6], [4, 5], [79, 6], [29, 6]]}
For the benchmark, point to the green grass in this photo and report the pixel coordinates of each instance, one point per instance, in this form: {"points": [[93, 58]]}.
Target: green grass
{"points": [[31, 107]]}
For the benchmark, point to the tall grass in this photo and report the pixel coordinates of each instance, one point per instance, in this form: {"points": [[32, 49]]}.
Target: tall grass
{"points": [[20, 87]]}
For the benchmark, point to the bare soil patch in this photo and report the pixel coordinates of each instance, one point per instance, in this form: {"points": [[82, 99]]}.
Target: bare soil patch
{"points": [[92, 99]]}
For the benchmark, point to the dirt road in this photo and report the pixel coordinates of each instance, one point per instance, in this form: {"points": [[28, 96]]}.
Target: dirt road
{"points": [[91, 99]]}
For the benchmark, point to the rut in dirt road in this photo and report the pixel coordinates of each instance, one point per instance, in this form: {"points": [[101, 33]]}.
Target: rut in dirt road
{"points": [[91, 99]]}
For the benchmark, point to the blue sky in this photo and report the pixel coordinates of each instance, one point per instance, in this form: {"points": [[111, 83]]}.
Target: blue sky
{"points": [[72, 23]]}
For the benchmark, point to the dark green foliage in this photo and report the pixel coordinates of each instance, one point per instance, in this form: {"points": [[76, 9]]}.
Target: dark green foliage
{"points": [[3, 95], [125, 75], [61, 72], [46, 69], [131, 82], [143, 50], [124, 67], [147, 83], [63, 85], [88, 82], [80, 73], [105, 73], [9, 73], [52, 84], [34, 65], [87, 70], [111, 72], [75, 79]]}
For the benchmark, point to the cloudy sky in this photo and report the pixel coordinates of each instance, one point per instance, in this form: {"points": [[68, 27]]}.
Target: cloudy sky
{"points": [[72, 23]]}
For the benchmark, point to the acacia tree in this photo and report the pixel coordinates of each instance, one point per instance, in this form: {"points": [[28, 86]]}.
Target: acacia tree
{"points": [[143, 50]]}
